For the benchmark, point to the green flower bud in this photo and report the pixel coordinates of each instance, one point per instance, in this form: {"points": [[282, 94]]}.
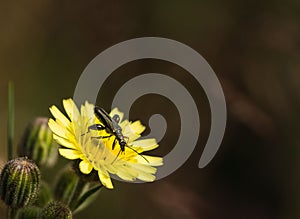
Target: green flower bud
{"points": [[19, 182], [37, 143], [29, 212], [56, 210]]}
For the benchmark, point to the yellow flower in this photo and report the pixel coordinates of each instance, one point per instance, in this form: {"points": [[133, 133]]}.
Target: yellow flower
{"points": [[95, 152]]}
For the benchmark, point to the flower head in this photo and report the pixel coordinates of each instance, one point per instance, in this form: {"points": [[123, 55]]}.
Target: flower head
{"points": [[95, 147]]}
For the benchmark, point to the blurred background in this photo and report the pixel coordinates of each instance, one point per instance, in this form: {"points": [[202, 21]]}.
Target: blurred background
{"points": [[254, 48]]}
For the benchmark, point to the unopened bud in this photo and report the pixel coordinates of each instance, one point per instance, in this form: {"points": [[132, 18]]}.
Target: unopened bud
{"points": [[57, 210], [19, 182], [37, 143]]}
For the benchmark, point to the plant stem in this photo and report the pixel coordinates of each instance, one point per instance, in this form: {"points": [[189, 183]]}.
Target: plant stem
{"points": [[10, 135], [77, 193], [87, 195], [11, 213], [10, 127]]}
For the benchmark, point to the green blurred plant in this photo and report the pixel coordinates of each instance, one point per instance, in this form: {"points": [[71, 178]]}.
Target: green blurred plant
{"points": [[23, 191]]}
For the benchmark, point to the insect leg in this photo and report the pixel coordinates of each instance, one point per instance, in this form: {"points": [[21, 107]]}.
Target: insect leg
{"points": [[116, 156], [114, 143], [101, 137], [96, 127]]}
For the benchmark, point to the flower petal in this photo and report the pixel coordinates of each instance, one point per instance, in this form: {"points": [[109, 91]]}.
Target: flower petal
{"points": [[128, 132], [105, 179], [69, 143], [146, 177], [69, 153], [144, 168], [151, 160], [137, 127], [85, 167], [59, 116], [58, 130], [146, 144], [71, 109], [127, 173], [87, 110]]}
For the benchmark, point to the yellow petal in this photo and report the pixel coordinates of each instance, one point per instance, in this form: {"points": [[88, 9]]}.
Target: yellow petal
{"points": [[124, 125], [146, 177], [69, 153], [127, 131], [59, 116], [65, 142], [151, 160], [85, 167], [127, 173], [58, 130], [131, 136], [146, 144], [71, 109], [105, 179], [144, 168], [87, 110], [137, 127]]}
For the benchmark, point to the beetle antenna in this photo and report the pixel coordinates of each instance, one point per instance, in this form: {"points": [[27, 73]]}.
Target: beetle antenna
{"points": [[138, 153]]}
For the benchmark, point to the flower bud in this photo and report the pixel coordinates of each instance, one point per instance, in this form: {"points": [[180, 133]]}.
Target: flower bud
{"points": [[37, 143], [57, 210], [19, 182]]}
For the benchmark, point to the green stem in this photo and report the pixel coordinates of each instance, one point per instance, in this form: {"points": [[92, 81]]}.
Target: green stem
{"points": [[78, 190], [11, 213], [86, 195], [10, 127]]}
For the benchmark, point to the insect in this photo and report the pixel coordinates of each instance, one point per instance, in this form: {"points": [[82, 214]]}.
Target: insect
{"points": [[111, 126]]}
